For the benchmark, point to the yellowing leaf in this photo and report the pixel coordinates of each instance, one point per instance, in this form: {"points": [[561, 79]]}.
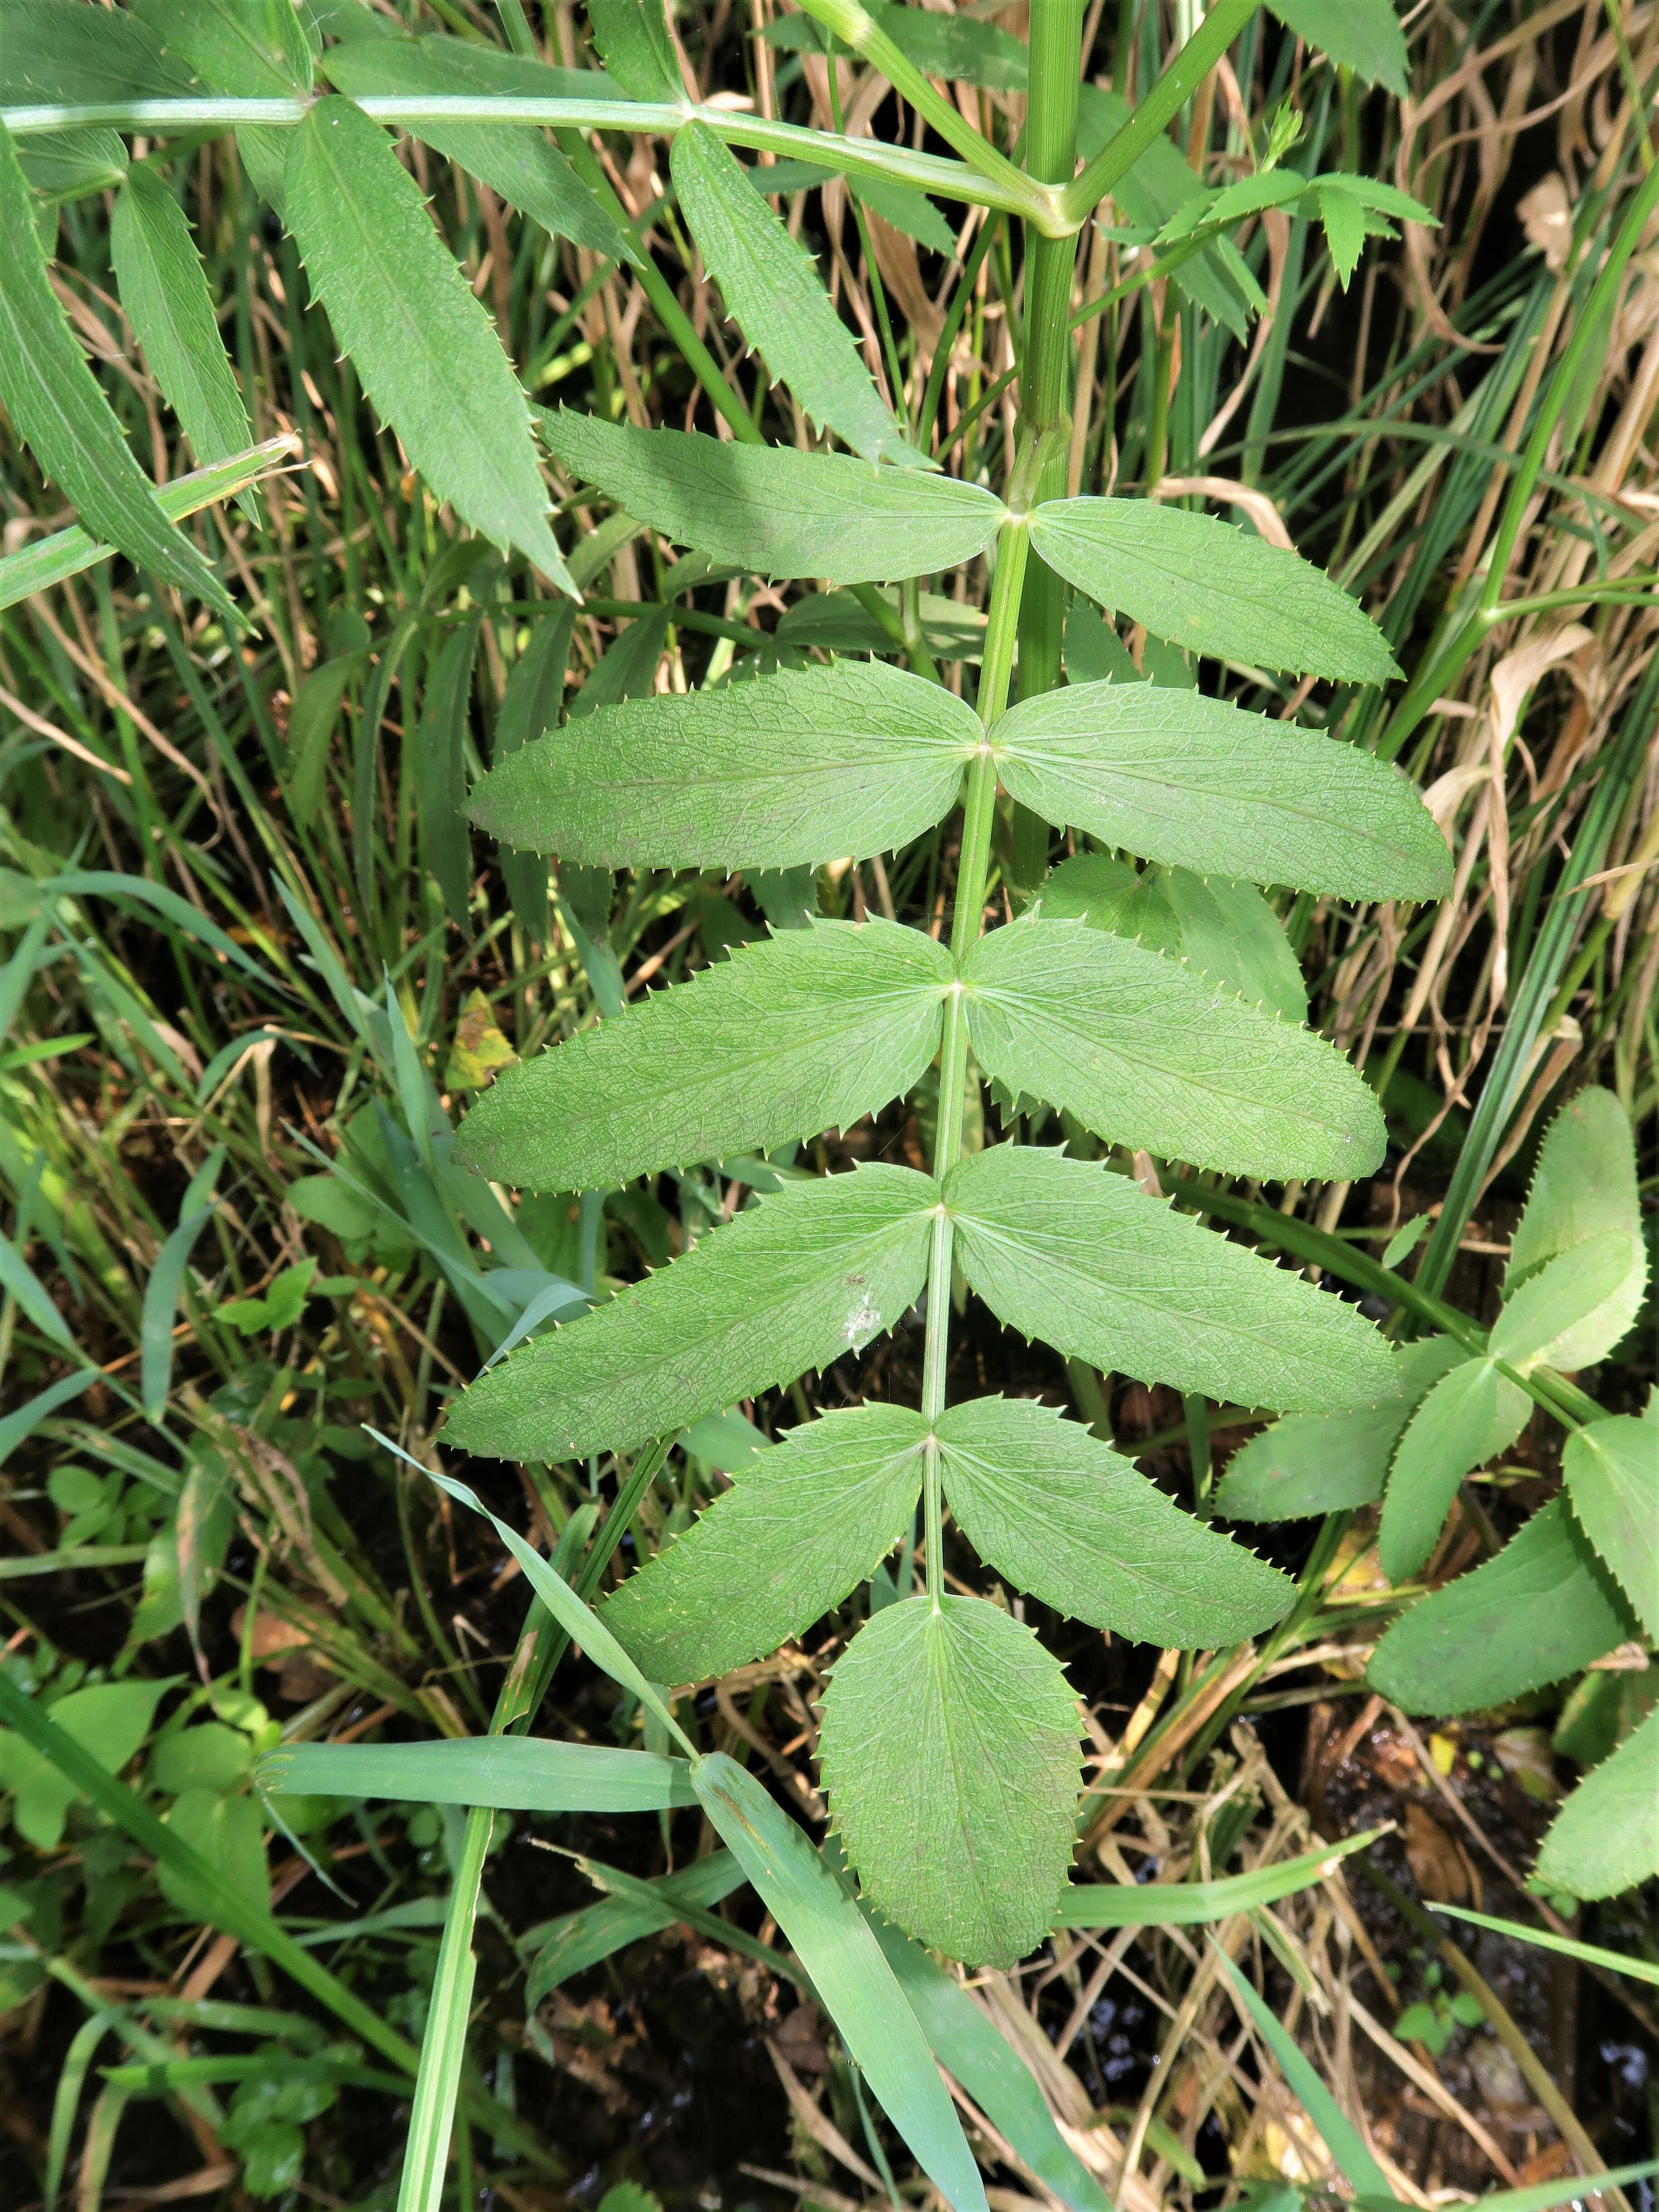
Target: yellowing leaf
{"points": [[480, 1050]]}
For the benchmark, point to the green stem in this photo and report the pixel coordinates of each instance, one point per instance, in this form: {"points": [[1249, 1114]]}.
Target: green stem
{"points": [[858, 157], [1179, 81]]}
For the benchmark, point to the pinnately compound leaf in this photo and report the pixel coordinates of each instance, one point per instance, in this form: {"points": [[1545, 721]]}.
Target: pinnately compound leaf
{"points": [[1612, 1473], [1198, 784], [1605, 1838], [837, 1946], [1330, 1462], [1062, 1515], [813, 1273], [1208, 586], [1469, 1417], [520, 1773], [803, 1522], [515, 159], [808, 1032], [774, 294], [1540, 1610], [796, 767], [1068, 1251], [164, 291], [776, 512], [1144, 1053], [950, 1749], [418, 338], [57, 408]]}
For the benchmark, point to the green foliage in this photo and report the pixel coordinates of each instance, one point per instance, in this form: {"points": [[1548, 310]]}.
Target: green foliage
{"points": [[1584, 1188], [1066, 1250], [801, 1525], [1144, 1053], [1605, 1837], [801, 766], [1469, 1417], [1208, 585], [949, 1750], [1197, 784], [1542, 1609], [1611, 1469], [817, 1270], [420, 342], [1363, 35], [772, 291], [1224, 930], [1064, 1516], [778, 511], [523, 1771]]}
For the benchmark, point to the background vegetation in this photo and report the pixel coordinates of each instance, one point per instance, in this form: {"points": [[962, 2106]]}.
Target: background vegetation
{"points": [[229, 910]]}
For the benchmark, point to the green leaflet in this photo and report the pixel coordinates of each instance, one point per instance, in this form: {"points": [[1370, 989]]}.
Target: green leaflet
{"points": [[70, 165], [1550, 1312], [1157, 185], [1612, 1472], [522, 1773], [798, 767], [814, 1272], [1062, 1515], [1331, 1462], [421, 343], [777, 511], [950, 1755], [1583, 1186], [515, 159], [251, 49], [773, 292], [1209, 586], [1065, 1250], [57, 408], [787, 1038], [634, 43], [1144, 1053], [1605, 1837], [837, 1946], [1363, 35], [1198, 784], [1538, 1611], [977, 2055], [1225, 930], [57, 50], [802, 1524], [1471, 1415], [439, 765], [957, 47]]}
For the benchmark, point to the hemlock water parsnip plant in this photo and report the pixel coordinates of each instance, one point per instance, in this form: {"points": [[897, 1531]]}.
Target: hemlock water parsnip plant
{"points": [[1126, 991]]}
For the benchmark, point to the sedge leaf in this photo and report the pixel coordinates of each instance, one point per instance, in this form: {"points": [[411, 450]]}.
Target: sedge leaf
{"points": [[1605, 1838], [1540, 1610], [57, 409], [1062, 1515], [1469, 1417], [1363, 35], [1208, 585], [1146, 1054], [974, 2053], [515, 159], [777, 511], [1612, 1472], [1198, 784], [420, 341], [950, 1751], [1331, 1462], [1545, 1316], [802, 1524], [1065, 1250], [802, 766], [808, 1032], [837, 1947], [773, 292], [814, 1272], [519, 1773]]}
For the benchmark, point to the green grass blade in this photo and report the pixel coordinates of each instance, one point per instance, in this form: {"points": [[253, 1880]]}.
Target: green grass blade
{"points": [[1588, 1954], [1187, 1904], [515, 1773]]}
